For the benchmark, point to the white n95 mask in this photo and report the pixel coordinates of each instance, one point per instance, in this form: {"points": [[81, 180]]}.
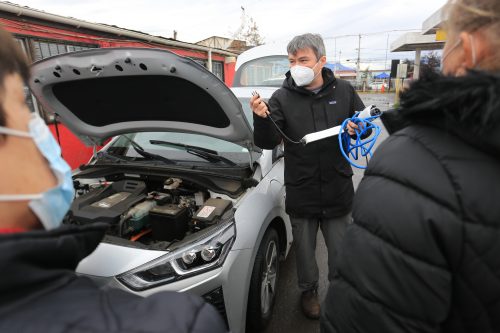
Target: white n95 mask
{"points": [[51, 205], [303, 75]]}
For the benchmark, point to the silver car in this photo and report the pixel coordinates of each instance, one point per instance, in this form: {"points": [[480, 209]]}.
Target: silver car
{"points": [[191, 203]]}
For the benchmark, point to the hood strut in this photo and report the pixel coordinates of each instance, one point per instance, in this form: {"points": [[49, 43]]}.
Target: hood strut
{"points": [[94, 151], [249, 149]]}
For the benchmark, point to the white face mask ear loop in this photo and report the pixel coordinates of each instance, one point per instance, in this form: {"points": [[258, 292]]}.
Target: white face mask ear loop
{"points": [[473, 50], [319, 72], [14, 132], [19, 197], [446, 54]]}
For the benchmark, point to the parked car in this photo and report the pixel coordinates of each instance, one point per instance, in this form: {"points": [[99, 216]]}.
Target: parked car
{"points": [[262, 66], [192, 204], [378, 85]]}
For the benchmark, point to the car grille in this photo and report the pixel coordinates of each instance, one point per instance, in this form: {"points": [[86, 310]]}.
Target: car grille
{"points": [[216, 298]]}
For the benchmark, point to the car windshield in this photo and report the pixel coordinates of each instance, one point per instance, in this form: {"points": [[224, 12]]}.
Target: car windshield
{"points": [[122, 146], [245, 103], [266, 71]]}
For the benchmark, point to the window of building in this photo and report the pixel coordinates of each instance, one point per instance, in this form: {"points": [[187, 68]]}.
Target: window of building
{"points": [[22, 44], [45, 49], [41, 49], [217, 67], [30, 99]]}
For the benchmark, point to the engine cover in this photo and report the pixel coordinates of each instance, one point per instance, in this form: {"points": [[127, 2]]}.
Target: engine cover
{"points": [[108, 203]]}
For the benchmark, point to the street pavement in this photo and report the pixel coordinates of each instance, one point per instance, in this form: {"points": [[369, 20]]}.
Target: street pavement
{"points": [[287, 317]]}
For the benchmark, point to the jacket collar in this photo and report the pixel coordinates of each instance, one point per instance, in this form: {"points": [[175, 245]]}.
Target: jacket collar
{"points": [[36, 260], [328, 80], [467, 106]]}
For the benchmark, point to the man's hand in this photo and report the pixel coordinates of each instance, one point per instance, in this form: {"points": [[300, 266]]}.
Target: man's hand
{"points": [[352, 127], [258, 106]]}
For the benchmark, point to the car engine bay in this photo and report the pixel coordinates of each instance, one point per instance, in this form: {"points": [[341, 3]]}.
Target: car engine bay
{"points": [[153, 213]]}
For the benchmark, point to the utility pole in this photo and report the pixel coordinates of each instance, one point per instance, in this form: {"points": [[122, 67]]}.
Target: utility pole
{"points": [[335, 52], [386, 50], [416, 68], [358, 63], [359, 53]]}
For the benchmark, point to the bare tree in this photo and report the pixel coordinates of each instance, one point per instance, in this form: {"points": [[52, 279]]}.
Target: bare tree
{"points": [[252, 35], [248, 30]]}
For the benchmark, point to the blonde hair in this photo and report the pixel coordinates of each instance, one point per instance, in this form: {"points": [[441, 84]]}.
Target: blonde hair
{"points": [[475, 15]]}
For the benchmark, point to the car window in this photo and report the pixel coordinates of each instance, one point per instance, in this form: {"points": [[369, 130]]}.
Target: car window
{"points": [[266, 71]]}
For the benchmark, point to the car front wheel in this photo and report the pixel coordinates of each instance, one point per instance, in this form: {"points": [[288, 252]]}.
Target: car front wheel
{"points": [[264, 282]]}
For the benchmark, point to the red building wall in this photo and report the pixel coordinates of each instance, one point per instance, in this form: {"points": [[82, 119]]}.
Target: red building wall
{"points": [[229, 71], [73, 151]]}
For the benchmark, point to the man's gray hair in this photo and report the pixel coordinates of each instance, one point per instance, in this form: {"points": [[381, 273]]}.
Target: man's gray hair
{"points": [[312, 41]]}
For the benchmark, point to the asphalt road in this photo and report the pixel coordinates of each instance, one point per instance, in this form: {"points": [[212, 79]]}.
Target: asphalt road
{"points": [[287, 314]]}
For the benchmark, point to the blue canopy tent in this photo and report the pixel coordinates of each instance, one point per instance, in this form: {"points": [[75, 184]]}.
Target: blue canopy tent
{"points": [[381, 76], [338, 67]]}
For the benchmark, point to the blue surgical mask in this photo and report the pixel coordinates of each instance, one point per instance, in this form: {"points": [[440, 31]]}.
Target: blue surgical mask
{"points": [[50, 206]]}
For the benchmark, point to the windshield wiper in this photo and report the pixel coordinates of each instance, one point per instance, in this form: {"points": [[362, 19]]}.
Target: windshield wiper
{"points": [[110, 156], [205, 153], [139, 150]]}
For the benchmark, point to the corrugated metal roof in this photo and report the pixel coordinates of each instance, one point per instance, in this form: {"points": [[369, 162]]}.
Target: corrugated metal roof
{"points": [[338, 67]]}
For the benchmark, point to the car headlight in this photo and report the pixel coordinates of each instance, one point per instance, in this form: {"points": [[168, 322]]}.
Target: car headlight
{"points": [[203, 251]]}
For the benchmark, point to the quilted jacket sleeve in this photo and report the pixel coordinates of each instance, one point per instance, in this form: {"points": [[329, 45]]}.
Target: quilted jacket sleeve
{"points": [[394, 269], [164, 312]]}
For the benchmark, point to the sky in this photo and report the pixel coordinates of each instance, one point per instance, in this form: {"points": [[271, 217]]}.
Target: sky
{"points": [[379, 22]]}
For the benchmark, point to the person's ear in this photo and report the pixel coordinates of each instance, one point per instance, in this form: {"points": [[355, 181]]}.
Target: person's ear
{"points": [[469, 56], [322, 60], [475, 46]]}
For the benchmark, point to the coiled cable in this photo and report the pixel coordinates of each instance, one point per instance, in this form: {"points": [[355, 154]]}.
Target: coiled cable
{"points": [[366, 136]]}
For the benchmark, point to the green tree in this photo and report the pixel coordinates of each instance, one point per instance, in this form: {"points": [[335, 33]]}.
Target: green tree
{"points": [[431, 63]]}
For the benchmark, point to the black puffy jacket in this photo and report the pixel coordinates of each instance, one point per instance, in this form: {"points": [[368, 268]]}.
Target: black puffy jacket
{"points": [[317, 177], [423, 254], [40, 292]]}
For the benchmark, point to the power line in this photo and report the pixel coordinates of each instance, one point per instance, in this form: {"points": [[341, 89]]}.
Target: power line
{"points": [[372, 33]]}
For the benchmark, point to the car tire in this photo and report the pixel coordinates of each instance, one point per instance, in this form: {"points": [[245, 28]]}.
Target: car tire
{"points": [[264, 282]]}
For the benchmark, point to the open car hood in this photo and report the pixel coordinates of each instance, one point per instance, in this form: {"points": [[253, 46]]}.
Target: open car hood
{"points": [[105, 92]]}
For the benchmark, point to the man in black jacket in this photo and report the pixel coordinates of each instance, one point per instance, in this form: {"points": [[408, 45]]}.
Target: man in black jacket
{"points": [[39, 290], [319, 187]]}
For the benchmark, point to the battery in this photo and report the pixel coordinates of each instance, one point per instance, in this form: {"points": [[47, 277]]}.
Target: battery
{"points": [[169, 222]]}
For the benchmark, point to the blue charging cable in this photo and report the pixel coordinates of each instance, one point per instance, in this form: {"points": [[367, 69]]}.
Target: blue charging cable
{"points": [[366, 136]]}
